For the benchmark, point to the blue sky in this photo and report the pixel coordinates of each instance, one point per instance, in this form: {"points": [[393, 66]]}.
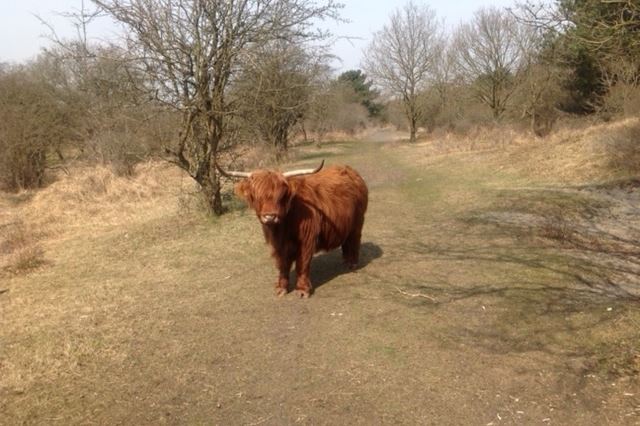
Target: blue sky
{"points": [[21, 34]]}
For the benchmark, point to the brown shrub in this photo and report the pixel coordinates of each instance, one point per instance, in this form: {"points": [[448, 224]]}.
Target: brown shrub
{"points": [[622, 100], [20, 249], [556, 227], [623, 148], [32, 123]]}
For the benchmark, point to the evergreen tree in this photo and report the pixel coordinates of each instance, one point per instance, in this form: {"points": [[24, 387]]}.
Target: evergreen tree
{"points": [[362, 88]]}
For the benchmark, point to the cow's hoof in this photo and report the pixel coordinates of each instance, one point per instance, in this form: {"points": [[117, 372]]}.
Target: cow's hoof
{"points": [[303, 294], [352, 266], [281, 291]]}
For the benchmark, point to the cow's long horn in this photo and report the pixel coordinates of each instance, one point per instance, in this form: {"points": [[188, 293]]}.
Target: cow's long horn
{"points": [[232, 173], [303, 171]]}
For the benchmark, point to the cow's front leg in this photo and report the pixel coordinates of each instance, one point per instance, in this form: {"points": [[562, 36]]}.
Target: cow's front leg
{"points": [[284, 267], [303, 267]]}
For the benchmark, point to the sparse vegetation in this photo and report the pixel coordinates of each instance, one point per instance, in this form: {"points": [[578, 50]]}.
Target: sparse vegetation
{"points": [[491, 52], [33, 124], [402, 58], [500, 272], [273, 91], [623, 148], [334, 109], [500, 301], [20, 249], [270, 86]]}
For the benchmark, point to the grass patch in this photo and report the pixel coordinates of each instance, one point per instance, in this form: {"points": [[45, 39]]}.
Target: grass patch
{"points": [[623, 149], [621, 359], [20, 248]]}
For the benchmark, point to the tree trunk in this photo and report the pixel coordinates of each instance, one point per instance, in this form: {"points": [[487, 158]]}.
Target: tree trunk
{"points": [[211, 192], [281, 152], [413, 130], [411, 110], [214, 136], [534, 123], [280, 142]]}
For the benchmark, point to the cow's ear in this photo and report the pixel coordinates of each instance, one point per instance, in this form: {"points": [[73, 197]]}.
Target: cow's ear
{"points": [[243, 190]]}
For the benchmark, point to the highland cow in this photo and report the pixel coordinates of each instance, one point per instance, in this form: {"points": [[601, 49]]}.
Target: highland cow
{"points": [[303, 212]]}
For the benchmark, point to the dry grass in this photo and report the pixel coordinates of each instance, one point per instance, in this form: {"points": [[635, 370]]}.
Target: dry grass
{"points": [[148, 314], [623, 147], [20, 248], [556, 227], [577, 152], [95, 197], [477, 138], [574, 156], [87, 201]]}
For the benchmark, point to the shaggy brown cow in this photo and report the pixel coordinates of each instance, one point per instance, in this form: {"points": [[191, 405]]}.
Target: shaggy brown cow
{"points": [[306, 211]]}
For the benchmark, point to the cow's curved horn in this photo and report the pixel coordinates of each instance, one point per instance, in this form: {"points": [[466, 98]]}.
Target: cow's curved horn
{"points": [[302, 172], [232, 173]]}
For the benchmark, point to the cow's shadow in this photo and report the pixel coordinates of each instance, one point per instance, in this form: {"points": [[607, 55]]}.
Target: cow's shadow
{"points": [[327, 266]]}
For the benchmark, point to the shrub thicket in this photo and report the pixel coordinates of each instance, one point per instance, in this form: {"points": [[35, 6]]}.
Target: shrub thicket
{"points": [[33, 123]]}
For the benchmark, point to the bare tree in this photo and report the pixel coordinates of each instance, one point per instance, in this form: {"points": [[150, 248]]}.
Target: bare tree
{"points": [[33, 122], [540, 92], [189, 51], [401, 57], [274, 89], [335, 107], [444, 85], [491, 50]]}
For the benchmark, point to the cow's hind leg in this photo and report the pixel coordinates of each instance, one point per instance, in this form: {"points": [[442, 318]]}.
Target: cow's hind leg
{"points": [[351, 248]]}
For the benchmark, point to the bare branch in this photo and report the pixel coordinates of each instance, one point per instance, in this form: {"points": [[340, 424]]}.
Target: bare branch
{"points": [[190, 50], [401, 57], [492, 49]]}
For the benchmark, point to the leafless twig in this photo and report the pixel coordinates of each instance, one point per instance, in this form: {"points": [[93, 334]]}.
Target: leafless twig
{"points": [[433, 299]]}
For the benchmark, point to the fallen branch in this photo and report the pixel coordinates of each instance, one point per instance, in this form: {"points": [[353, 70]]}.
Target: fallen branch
{"points": [[433, 299], [260, 421]]}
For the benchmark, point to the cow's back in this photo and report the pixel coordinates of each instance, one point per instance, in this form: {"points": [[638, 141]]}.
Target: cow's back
{"points": [[338, 198]]}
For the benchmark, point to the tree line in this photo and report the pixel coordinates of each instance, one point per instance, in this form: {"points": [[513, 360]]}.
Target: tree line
{"points": [[530, 63], [191, 81]]}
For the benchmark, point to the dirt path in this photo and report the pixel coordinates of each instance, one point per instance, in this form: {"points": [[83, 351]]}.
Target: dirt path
{"points": [[451, 320]]}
